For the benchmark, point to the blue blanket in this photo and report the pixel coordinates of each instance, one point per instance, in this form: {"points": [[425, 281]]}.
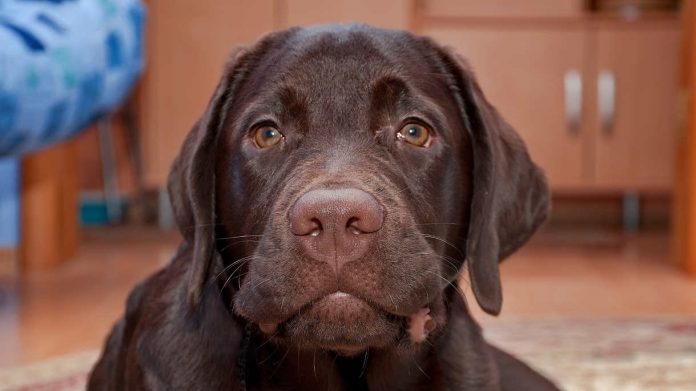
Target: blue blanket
{"points": [[64, 63]]}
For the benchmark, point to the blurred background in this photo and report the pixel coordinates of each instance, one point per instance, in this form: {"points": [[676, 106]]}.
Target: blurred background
{"points": [[97, 96]]}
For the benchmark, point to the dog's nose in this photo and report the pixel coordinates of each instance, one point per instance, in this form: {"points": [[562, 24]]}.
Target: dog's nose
{"points": [[336, 225]]}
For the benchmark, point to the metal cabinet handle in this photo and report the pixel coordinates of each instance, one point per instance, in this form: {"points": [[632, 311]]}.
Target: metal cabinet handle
{"points": [[606, 90], [573, 99]]}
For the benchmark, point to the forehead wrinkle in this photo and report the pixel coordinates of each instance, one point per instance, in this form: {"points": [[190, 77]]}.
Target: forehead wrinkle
{"points": [[408, 99], [422, 105], [252, 113], [274, 104], [293, 105], [335, 93]]}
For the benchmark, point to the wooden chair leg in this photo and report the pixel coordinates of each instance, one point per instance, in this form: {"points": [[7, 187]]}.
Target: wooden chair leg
{"points": [[49, 203]]}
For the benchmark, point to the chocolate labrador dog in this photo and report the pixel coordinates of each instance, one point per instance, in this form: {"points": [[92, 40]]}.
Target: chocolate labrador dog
{"points": [[340, 182]]}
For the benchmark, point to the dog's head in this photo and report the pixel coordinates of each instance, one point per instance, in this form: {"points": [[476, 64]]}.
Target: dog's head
{"points": [[339, 180]]}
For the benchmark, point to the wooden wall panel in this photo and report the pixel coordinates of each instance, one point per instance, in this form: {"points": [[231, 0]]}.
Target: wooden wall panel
{"points": [[383, 13], [188, 43], [502, 8]]}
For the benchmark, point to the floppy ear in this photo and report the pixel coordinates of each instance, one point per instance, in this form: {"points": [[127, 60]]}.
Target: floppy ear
{"points": [[510, 196], [191, 182]]}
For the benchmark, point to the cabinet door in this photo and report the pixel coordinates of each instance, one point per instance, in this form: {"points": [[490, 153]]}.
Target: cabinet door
{"points": [[637, 86], [523, 70]]}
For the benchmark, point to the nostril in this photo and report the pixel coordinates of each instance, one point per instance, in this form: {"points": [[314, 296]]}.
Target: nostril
{"points": [[303, 221], [317, 228], [352, 226], [368, 219]]}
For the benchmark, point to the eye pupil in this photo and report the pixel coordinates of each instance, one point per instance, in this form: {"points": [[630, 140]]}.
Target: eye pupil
{"points": [[269, 133], [267, 136], [414, 134]]}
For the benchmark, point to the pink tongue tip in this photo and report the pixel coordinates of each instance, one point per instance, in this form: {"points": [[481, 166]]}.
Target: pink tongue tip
{"points": [[420, 325], [268, 328]]}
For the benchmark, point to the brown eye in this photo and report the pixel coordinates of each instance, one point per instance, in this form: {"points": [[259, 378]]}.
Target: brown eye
{"points": [[267, 136], [414, 134]]}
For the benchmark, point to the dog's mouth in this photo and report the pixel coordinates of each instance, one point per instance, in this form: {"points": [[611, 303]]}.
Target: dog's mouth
{"points": [[349, 325]]}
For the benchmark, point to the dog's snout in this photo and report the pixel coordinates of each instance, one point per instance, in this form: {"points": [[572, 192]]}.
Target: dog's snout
{"points": [[335, 225], [338, 212]]}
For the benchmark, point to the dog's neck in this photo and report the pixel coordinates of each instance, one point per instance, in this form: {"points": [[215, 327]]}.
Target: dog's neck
{"points": [[269, 367]]}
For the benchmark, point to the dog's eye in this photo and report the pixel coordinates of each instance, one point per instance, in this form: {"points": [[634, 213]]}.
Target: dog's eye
{"points": [[414, 134], [267, 136]]}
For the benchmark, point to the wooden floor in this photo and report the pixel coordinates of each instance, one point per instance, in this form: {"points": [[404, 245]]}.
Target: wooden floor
{"points": [[589, 274]]}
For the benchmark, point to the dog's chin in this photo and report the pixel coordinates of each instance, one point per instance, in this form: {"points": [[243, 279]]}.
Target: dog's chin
{"points": [[342, 323]]}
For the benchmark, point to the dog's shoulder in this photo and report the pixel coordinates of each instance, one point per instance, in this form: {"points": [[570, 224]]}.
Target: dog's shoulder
{"points": [[160, 343], [118, 368]]}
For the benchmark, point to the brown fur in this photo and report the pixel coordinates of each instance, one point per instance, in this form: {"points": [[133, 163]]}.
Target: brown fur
{"points": [[338, 94]]}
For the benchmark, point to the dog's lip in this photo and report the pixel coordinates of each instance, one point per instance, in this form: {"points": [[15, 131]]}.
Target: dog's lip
{"points": [[329, 323], [338, 297], [417, 326]]}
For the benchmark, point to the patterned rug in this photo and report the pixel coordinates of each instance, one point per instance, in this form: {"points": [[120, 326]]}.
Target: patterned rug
{"points": [[66, 373], [584, 355], [611, 355]]}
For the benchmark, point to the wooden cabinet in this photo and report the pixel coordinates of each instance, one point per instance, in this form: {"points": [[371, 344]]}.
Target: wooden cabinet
{"points": [[593, 99], [634, 142], [522, 72]]}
